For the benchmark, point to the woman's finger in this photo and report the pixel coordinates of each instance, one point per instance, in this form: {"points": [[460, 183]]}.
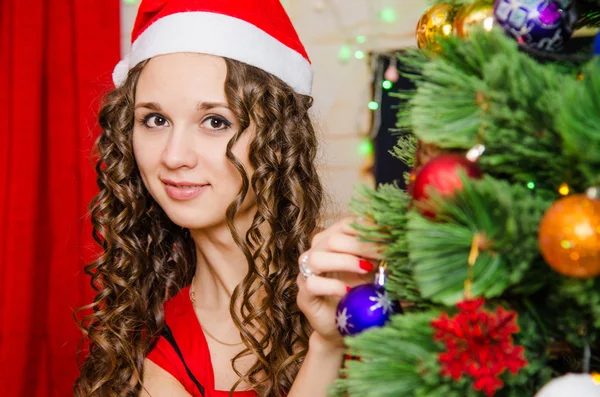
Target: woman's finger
{"points": [[345, 226], [347, 244], [317, 286], [326, 262]]}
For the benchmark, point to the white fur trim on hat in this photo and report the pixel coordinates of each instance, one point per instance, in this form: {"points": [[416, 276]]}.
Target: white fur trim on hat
{"points": [[221, 35]]}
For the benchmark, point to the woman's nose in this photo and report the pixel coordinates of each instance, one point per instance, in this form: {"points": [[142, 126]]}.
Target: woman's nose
{"points": [[179, 151]]}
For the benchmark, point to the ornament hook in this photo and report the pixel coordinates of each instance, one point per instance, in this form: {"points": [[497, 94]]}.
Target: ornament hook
{"points": [[475, 152], [380, 277], [473, 255]]}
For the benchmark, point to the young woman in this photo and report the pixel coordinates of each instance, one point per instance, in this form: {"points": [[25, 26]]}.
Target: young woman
{"points": [[214, 279]]}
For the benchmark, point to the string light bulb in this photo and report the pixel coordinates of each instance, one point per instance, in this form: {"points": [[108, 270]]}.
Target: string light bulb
{"points": [[345, 53], [365, 148], [388, 15]]}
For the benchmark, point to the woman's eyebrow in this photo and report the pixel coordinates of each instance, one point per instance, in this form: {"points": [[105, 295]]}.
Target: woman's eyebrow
{"points": [[149, 105], [211, 105], [201, 105]]}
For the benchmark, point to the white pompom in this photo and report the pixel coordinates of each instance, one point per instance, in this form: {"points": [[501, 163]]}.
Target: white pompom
{"points": [[571, 385], [120, 72]]}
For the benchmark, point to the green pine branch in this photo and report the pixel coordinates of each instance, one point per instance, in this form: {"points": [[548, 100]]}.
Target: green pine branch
{"points": [[539, 123], [397, 360], [405, 149], [578, 316], [537, 373], [579, 121], [504, 216], [589, 13], [400, 360], [387, 208], [485, 90]]}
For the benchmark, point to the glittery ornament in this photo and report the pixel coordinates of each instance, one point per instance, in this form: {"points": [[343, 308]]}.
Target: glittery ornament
{"points": [[365, 306], [435, 23], [569, 236], [580, 385], [540, 24], [477, 15], [479, 345], [441, 175]]}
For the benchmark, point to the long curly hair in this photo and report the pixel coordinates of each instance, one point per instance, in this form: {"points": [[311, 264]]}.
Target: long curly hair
{"points": [[146, 259]]}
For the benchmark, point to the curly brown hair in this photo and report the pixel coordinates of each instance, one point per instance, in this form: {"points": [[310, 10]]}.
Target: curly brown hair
{"points": [[146, 258]]}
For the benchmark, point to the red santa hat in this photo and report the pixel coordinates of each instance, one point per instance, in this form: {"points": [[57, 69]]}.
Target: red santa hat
{"points": [[257, 32]]}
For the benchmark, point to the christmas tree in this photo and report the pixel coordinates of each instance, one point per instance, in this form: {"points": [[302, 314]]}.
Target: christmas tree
{"points": [[494, 249]]}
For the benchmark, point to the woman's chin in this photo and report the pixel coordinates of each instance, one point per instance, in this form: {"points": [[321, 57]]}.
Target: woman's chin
{"points": [[194, 220]]}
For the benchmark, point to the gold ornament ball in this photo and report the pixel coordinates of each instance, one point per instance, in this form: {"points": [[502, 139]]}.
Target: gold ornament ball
{"points": [[436, 22], [477, 15], [569, 236]]}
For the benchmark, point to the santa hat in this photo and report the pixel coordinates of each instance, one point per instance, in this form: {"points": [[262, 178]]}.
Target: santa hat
{"points": [[258, 33]]}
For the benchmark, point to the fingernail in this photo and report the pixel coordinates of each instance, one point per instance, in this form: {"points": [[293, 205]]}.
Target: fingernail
{"points": [[348, 288], [365, 265]]}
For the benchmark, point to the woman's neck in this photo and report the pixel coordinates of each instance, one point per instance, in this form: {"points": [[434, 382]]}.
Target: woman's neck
{"points": [[220, 265]]}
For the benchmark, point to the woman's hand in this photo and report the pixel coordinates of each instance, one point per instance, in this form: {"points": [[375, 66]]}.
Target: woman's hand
{"points": [[338, 261]]}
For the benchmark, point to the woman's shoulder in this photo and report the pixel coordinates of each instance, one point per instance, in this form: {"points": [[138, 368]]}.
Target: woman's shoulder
{"points": [[159, 381]]}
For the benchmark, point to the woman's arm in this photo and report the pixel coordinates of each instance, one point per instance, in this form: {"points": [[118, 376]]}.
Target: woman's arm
{"points": [[320, 369], [160, 383], [337, 261]]}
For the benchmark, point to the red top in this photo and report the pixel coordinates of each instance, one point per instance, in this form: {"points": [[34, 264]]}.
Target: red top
{"points": [[181, 318]]}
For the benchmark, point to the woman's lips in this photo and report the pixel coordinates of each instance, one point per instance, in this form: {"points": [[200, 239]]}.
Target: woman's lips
{"points": [[183, 190]]}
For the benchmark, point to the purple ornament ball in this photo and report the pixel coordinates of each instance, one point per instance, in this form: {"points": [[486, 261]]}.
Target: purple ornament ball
{"points": [[363, 307], [538, 24]]}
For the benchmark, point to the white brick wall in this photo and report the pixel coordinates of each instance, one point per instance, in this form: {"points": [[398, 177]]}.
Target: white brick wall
{"points": [[341, 91]]}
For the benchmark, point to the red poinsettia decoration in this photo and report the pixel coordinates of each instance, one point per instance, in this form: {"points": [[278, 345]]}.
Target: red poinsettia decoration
{"points": [[479, 344]]}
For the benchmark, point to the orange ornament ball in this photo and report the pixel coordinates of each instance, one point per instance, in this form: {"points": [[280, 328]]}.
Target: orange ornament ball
{"points": [[569, 236], [436, 22], [478, 15]]}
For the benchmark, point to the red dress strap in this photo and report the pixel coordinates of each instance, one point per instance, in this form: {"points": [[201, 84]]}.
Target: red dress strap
{"points": [[186, 330]]}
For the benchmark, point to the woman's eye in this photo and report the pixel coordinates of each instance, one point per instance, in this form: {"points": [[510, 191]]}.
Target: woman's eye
{"points": [[155, 121], [216, 123]]}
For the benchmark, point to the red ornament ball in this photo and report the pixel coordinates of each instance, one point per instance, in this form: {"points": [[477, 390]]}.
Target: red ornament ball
{"points": [[441, 175], [569, 236]]}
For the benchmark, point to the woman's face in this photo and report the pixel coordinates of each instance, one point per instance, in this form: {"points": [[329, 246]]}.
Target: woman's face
{"points": [[182, 127]]}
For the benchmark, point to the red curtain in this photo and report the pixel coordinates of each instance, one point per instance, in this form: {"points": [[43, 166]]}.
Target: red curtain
{"points": [[56, 58]]}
